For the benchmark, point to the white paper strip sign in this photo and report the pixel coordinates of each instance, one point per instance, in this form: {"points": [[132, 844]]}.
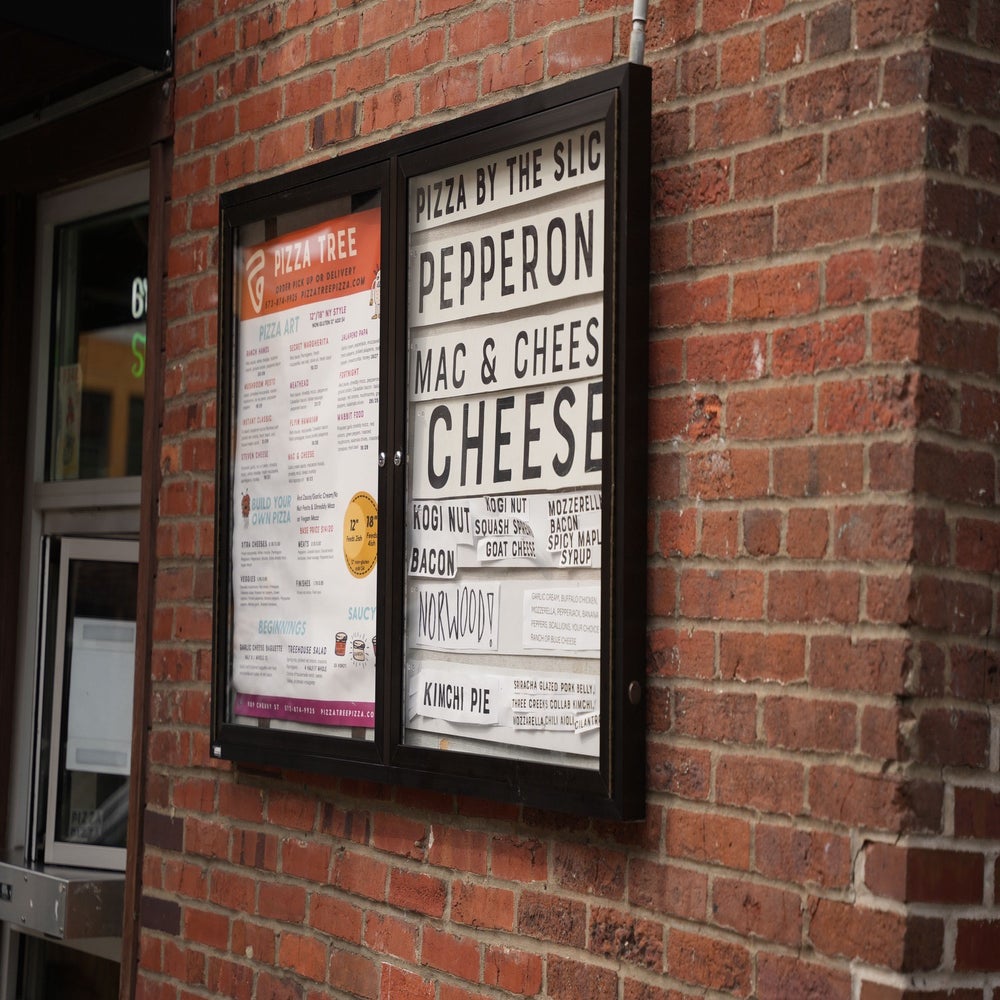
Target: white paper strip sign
{"points": [[537, 439], [557, 344], [432, 554], [567, 618], [455, 519], [518, 175], [451, 616], [456, 697], [555, 701], [545, 256]]}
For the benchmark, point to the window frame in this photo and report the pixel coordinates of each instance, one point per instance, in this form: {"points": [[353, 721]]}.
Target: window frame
{"points": [[615, 787]]}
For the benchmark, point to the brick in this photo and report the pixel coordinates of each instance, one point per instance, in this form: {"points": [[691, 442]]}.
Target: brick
{"points": [[814, 347], [664, 476], [830, 31], [417, 892], [807, 724], [719, 534], [399, 835], [732, 236], [699, 70], [477, 31], [762, 532], [687, 188], [951, 605], [968, 83], [785, 44], [165, 832], [306, 956], [567, 979], [744, 117], [831, 94], [767, 784], [953, 737], [450, 953], [979, 415], [803, 856], [835, 217], [591, 870], [291, 810], [722, 717], [958, 345], [962, 476], [518, 859], [729, 474], [662, 587], [713, 838], [779, 977], [461, 849], [873, 533], [760, 911], [241, 802], [259, 850], [976, 946], [740, 60], [768, 414], [684, 772], [733, 595], [807, 533], [709, 962], [873, 666], [749, 656], [625, 938], [975, 673], [856, 932], [551, 918], [725, 357], [876, 148], [158, 914], [233, 891], [306, 860], [977, 813], [901, 207], [924, 875], [514, 971], [687, 653], [205, 928], [667, 889], [810, 596], [359, 974], [878, 403], [887, 599], [581, 46], [518, 66], [789, 290], [206, 838], [718, 15], [229, 979], [282, 902], [864, 275], [482, 906], [844, 795], [360, 875]]}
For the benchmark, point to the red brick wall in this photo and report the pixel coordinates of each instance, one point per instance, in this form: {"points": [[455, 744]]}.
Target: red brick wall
{"points": [[824, 544]]}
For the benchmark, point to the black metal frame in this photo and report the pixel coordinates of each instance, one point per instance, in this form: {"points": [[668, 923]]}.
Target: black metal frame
{"points": [[616, 789]]}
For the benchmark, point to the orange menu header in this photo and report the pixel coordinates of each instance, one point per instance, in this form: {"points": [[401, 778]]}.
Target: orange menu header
{"points": [[336, 258]]}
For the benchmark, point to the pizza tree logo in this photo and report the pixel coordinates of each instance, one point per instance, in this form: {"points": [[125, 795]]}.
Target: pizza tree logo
{"points": [[255, 279]]}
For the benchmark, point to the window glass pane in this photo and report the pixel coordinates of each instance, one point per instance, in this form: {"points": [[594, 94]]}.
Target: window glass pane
{"points": [[98, 354], [92, 792], [304, 486], [506, 325]]}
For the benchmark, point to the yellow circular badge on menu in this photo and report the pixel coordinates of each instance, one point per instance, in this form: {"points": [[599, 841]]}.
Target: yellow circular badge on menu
{"points": [[361, 534]]}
